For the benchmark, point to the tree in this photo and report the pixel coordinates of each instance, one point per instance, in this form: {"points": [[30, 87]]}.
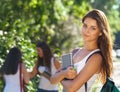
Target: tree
{"points": [[24, 22]]}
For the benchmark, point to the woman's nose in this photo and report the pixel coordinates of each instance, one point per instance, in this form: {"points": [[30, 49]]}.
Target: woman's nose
{"points": [[87, 30]]}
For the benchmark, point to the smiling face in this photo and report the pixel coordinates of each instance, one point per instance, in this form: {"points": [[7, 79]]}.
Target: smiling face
{"points": [[90, 30]]}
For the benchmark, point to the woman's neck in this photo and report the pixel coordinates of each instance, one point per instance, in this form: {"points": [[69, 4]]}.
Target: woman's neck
{"points": [[90, 47]]}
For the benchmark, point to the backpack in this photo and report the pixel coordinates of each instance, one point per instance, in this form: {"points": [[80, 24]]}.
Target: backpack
{"points": [[109, 86]]}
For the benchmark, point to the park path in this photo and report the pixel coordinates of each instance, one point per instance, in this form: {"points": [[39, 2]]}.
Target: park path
{"points": [[116, 73]]}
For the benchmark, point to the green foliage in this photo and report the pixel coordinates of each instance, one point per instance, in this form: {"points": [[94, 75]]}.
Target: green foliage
{"points": [[33, 84]]}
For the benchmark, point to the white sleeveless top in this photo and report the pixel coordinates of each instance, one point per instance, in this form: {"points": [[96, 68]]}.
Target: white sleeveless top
{"points": [[12, 82], [79, 66], [45, 83]]}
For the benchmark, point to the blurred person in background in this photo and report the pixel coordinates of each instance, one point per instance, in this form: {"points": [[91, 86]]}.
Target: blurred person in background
{"points": [[12, 69], [46, 66]]}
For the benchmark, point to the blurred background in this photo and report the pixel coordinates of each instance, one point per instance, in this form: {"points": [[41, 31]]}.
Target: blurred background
{"points": [[25, 22]]}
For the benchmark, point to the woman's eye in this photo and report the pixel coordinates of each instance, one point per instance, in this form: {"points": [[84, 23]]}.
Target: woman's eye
{"points": [[93, 28]]}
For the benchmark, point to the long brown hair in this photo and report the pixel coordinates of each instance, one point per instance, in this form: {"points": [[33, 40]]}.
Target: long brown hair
{"points": [[104, 42], [47, 54]]}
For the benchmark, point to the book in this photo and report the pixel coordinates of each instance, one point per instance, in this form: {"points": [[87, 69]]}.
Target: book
{"points": [[67, 60]]}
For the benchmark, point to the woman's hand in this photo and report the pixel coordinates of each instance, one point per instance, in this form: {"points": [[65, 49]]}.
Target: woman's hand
{"points": [[70, 72]]}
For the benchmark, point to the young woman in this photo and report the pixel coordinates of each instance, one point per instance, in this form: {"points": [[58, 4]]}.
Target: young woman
{"points": [[46, 62], [96, 38], [11, 71]]}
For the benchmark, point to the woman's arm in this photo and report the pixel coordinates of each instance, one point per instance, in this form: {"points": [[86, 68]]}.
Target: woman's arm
{"points": [[69, 73], [25, 74], [34, 71], [92, 67]]}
